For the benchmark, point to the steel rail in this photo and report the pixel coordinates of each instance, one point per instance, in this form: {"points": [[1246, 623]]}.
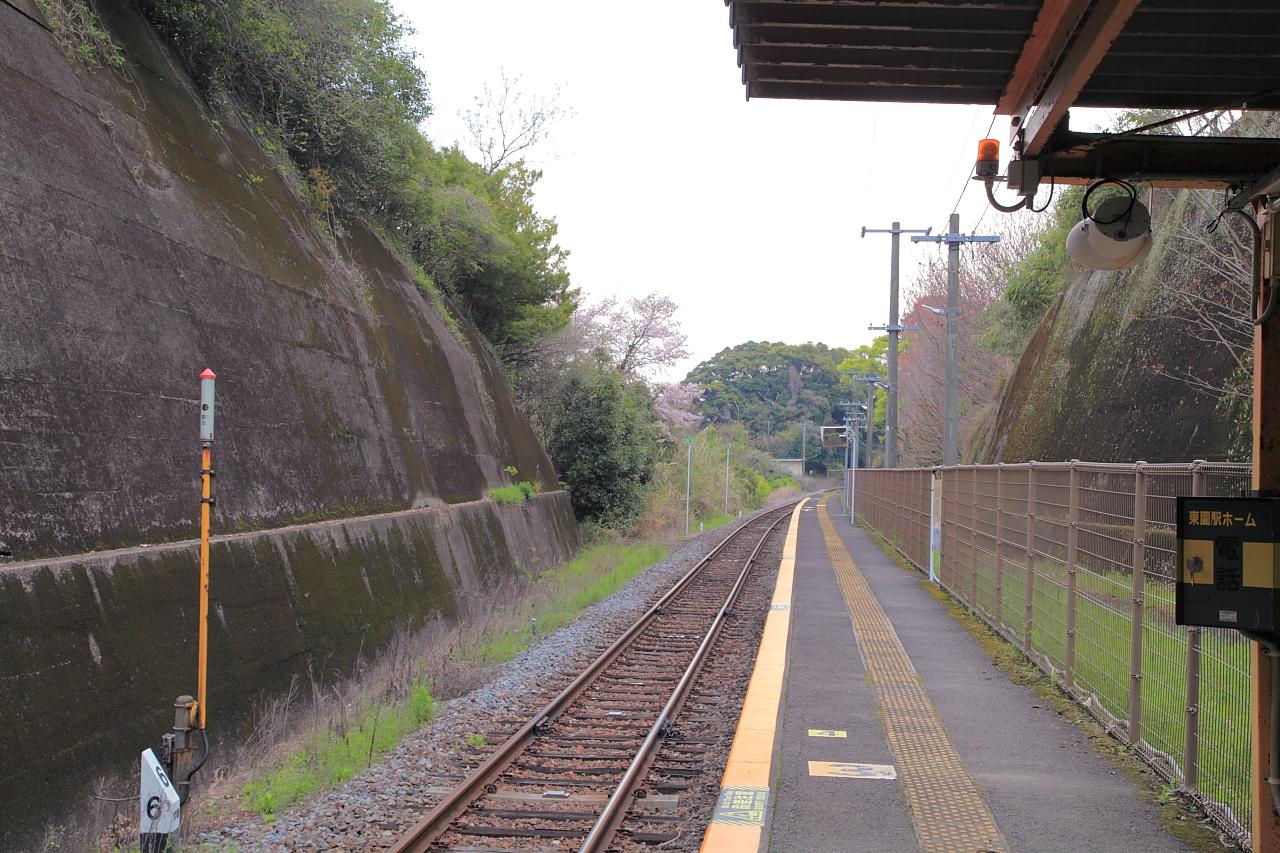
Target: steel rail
{"points": [[481, 780], [615, 810]]}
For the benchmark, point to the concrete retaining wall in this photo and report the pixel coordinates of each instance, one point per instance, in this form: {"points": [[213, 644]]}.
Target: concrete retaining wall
{"points": [[94, 648]]}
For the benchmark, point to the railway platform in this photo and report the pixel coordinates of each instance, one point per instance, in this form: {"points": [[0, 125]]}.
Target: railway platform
{"points": [[874, 722]]}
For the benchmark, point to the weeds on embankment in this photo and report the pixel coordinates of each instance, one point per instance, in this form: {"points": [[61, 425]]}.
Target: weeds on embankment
{"points": [[559, 595], [351, 727], [513, 494], [329, 758]]}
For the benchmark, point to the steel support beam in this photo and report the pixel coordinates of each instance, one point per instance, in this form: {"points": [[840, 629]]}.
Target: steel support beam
{"points": [[1266, 481], [1092, 41], [1049, 36], [1165, 161]]}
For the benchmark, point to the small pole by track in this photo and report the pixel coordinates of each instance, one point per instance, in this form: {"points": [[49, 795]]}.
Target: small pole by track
{"points": [[688, 480]]}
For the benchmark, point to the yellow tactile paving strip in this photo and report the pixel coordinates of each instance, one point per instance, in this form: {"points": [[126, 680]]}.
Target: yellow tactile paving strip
{"points": [[738, 823], [947, 808]]}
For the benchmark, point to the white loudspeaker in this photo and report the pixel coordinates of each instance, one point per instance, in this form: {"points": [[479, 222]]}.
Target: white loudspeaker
{"points": [[1118, 235]]}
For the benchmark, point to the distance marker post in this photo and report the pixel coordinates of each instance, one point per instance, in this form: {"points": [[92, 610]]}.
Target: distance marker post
{"points": [[166, 779], [206, 506]]}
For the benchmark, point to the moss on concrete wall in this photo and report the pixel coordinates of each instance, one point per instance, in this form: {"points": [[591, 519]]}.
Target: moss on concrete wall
{"points": [[96, 647], [143, 238], [1084, 387]]}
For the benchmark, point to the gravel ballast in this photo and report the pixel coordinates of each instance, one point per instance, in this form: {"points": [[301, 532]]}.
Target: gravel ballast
{"points": [[370, 811]]}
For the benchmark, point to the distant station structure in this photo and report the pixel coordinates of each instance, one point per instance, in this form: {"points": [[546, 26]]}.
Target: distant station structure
{"points": [[1033, 60], [793, 468]]}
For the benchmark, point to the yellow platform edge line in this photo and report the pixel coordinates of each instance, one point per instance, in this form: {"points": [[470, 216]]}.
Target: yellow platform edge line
{"points": [[751, 755]]}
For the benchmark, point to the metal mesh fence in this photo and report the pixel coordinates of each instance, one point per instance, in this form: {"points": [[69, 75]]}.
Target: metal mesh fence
{"points": [[1074, 563]]}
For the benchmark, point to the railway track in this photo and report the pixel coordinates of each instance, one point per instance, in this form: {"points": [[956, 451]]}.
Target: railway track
{"points": [[577, 774]]}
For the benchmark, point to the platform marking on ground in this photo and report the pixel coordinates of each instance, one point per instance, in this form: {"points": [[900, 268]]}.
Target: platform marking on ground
{"points": [[946, 806], [828, 733], [738, 823], [742, 806], [848, 770]]}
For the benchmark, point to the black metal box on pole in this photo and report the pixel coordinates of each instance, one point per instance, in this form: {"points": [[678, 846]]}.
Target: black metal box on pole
{"points": [[1228, 563]]}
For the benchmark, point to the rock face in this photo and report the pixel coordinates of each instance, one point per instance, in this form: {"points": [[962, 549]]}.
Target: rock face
{"points": [[1095, 381], [140, 242]]}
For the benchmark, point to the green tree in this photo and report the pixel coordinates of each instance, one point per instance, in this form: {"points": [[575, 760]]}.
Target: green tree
{"points": [[604, 444], [1037, 277], [769, 386], [331, 79], [330, 85], [477, 234]]}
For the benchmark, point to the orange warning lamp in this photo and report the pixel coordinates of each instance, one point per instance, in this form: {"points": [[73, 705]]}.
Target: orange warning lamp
{"points": [[988, 164]]}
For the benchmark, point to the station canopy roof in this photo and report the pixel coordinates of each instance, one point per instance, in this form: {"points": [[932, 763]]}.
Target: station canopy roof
{"points": [[1013, 54]]}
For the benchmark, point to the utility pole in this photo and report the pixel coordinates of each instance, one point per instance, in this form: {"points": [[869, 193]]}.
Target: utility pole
{"points": [[727, 447], [871, 419], [848, 502], [804, 448], [688, 479], [872, 382], [853, 481], [891, 414], [953, 238]]}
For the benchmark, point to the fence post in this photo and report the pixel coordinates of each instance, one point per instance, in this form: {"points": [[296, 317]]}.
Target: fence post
{"points": [[1031, 556], [1139, 572], [1191, 747], [922, 523], [999, 579], [935, 525], [973, 542], [1073, 552]]}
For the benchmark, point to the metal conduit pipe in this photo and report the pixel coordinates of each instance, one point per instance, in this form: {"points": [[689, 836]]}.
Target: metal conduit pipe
{"points": [[1272, 647], [1262, 289]]}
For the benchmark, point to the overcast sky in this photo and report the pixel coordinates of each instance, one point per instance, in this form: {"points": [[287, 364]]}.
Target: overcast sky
{"points": [[746, 213]]}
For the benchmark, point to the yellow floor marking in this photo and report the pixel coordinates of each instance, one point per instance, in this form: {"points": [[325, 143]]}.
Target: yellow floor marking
{"points": [[828, 733], [947, 808], [845, 770], [738, 823]]}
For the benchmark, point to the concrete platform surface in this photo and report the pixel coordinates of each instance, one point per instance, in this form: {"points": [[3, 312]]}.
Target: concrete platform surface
{"points": [[972, 763]]}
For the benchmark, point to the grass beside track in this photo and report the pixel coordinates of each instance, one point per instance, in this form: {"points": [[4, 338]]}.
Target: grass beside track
{"points": [[330, 757], [340, 749], [561, 594]]}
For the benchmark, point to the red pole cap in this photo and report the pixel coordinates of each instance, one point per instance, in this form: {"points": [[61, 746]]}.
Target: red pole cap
{"points": [[208, 374]]}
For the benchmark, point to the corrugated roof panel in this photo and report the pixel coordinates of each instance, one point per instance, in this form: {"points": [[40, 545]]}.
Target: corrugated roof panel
{"points": [[1178, 54]]}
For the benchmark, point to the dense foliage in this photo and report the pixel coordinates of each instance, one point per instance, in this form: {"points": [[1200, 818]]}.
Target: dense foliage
{"points": [[332, 79], [605, 443], [769, 386], [1037, 276], [330, 85], [717, 492], [477, 235]]}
